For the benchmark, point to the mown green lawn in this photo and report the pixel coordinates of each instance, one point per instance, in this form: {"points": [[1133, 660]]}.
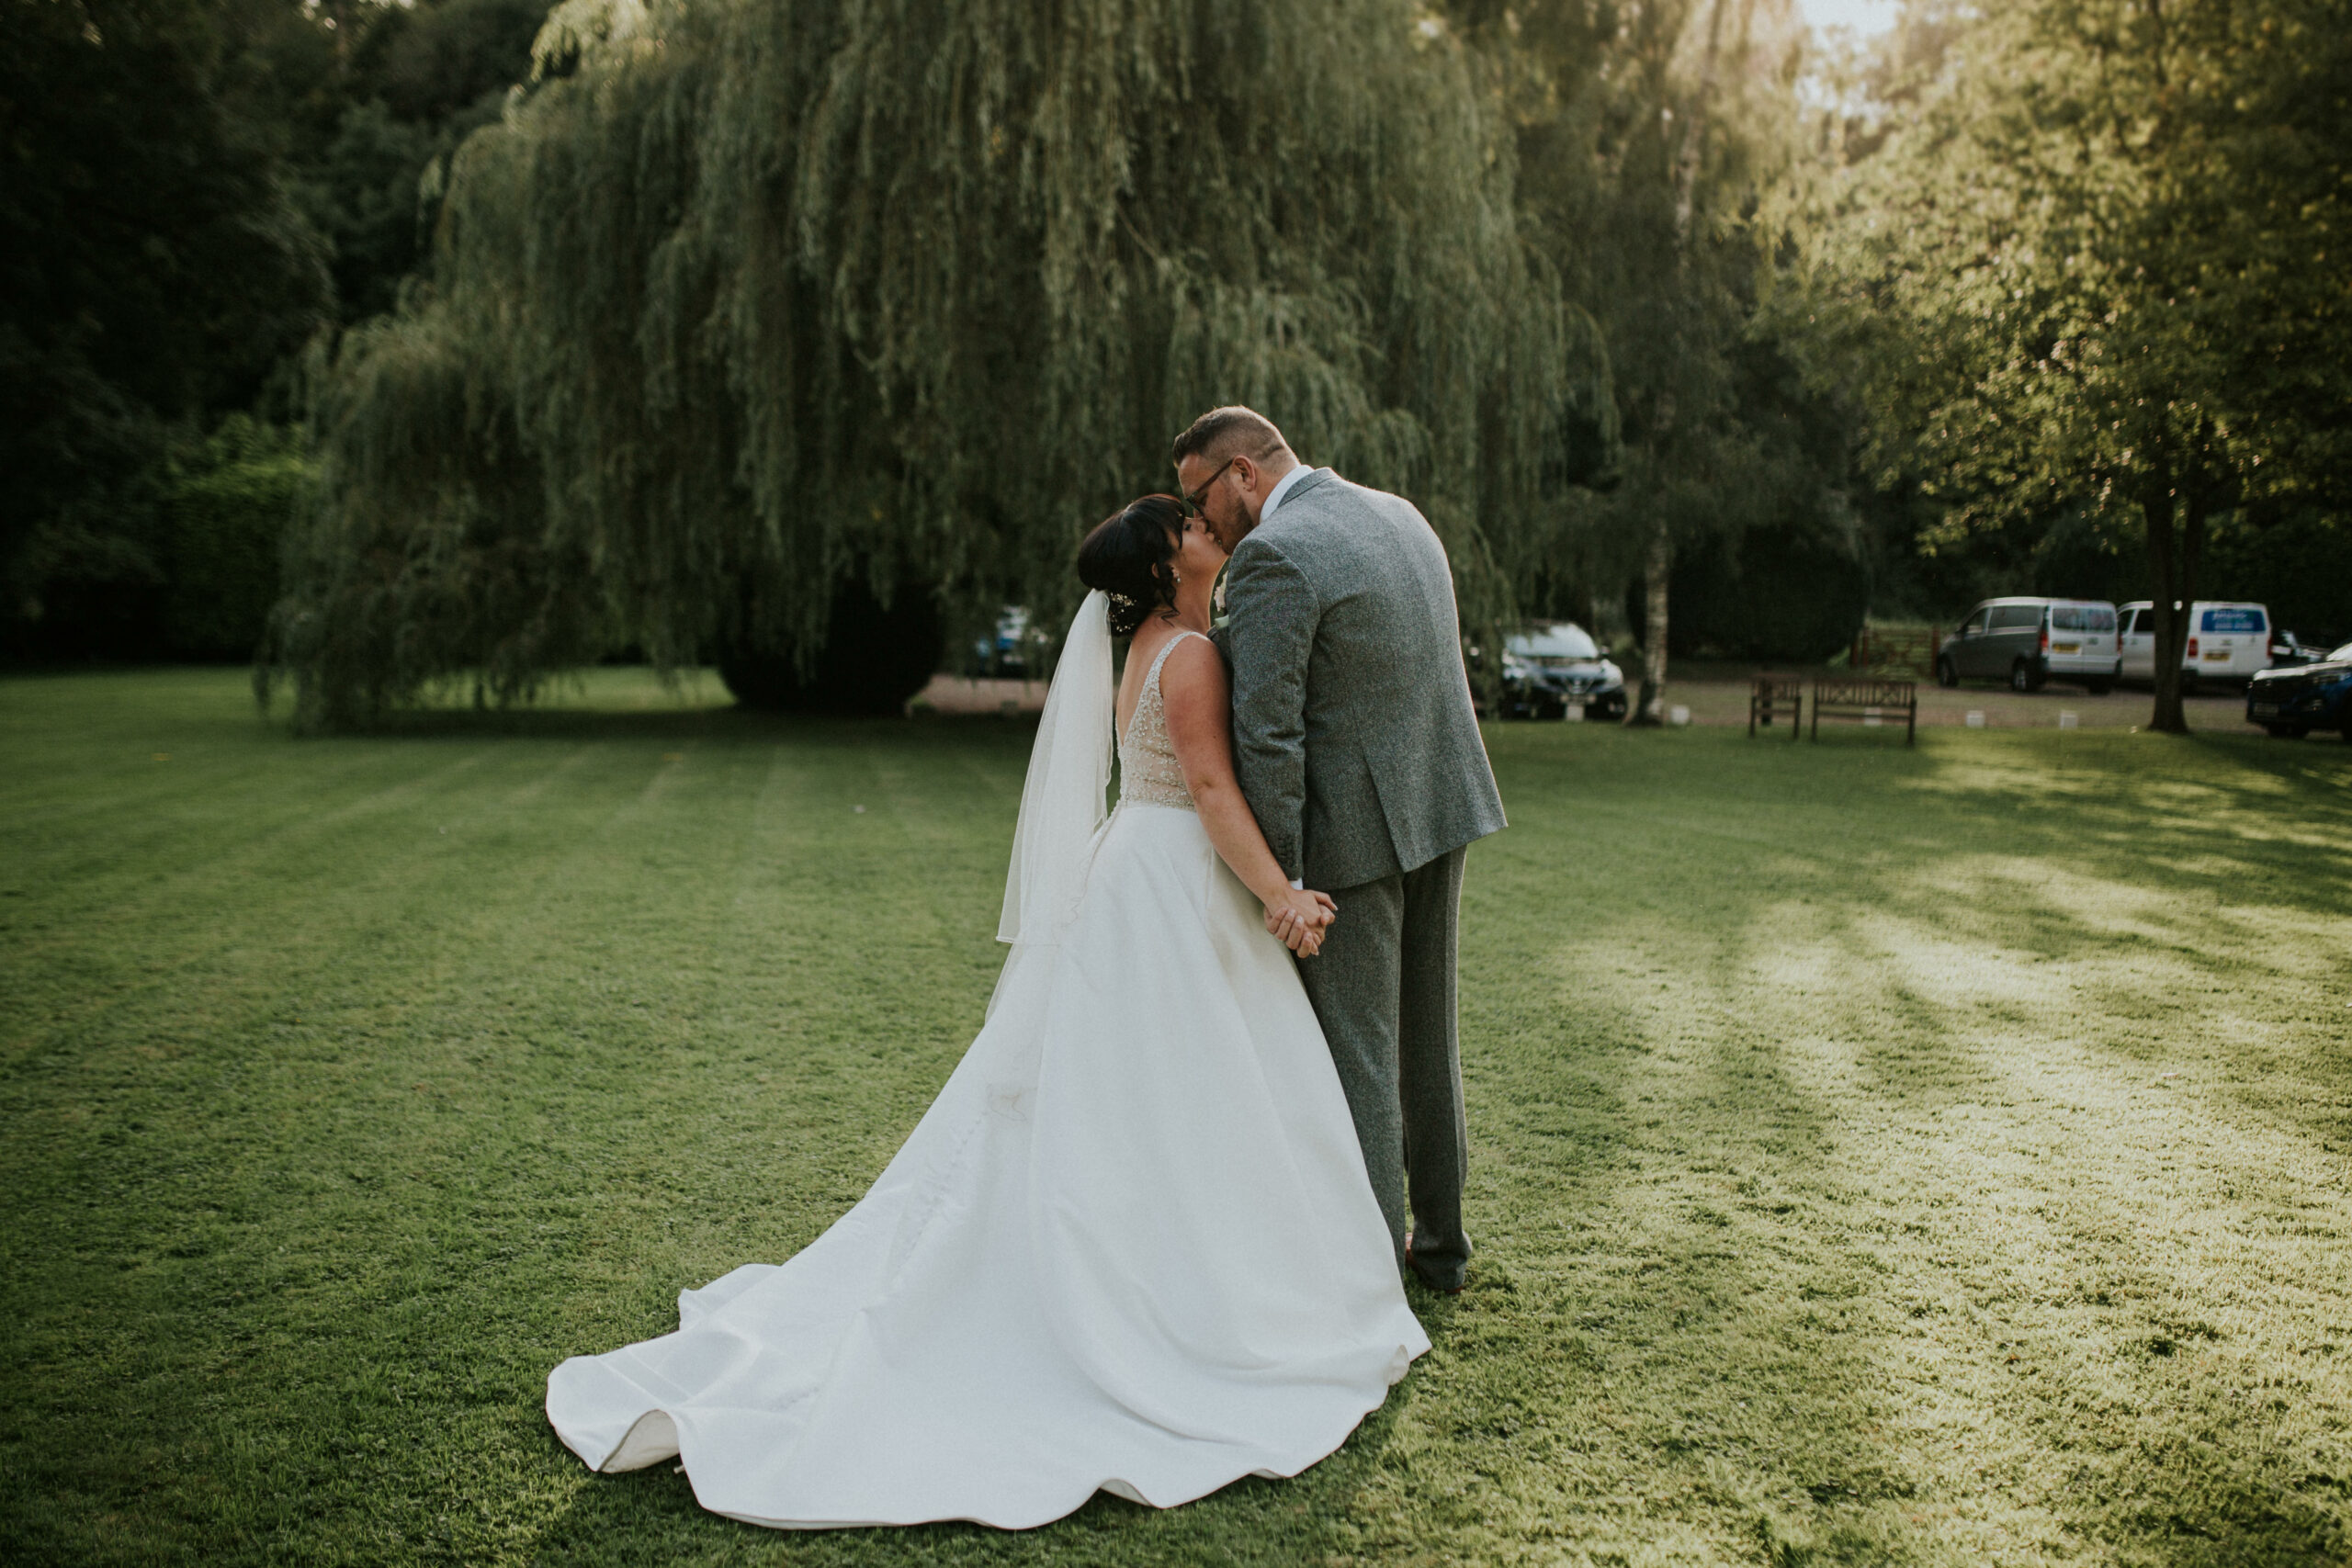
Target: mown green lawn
{"points": [[1933, 1157]]}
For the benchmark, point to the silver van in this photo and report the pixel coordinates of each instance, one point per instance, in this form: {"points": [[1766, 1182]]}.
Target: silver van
{"points": [[2028, 641]]}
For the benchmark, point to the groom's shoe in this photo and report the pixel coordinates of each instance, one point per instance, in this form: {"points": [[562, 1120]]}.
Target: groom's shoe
{"points": [[1452, 1289]]}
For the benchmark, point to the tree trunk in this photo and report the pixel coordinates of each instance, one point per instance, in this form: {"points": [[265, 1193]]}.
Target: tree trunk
{"points": [[1650, 709], [1694, 133], [2173, 560]]}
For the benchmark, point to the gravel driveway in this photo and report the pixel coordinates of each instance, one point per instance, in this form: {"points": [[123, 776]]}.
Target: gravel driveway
{"points": [[1717, 702]]}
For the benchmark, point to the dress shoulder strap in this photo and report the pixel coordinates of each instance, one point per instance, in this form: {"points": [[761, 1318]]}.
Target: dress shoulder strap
{"points": [[1152, 677], [1169, 647]]}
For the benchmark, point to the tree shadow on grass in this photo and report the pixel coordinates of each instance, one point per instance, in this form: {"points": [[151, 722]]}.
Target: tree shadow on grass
{"points": [[1650, 1357], [2042, 949], [1802, 948], [2224, 874]]}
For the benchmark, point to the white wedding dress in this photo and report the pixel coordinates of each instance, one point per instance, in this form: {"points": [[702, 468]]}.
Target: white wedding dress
{"points": [[1130, 1247]]}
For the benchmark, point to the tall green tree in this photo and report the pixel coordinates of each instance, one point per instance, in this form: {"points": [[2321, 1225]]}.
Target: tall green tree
{"points": [[1645, 136], [373, 134], [151, 271], [747, 300], [2098, 261]]}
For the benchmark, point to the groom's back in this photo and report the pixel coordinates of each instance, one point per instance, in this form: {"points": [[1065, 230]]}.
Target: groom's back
{"points": [[1396, 773]]}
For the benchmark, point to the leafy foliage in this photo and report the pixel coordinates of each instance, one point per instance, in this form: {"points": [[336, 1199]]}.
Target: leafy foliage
{"points": [[229, 501], [375, 135], [151, 270], [2098, 263], [1765, 595], [748, 299], [1647, 136], [192, 187]]}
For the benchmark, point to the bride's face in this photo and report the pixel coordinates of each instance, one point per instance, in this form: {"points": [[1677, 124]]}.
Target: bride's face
{"points": [[1197, 552]]}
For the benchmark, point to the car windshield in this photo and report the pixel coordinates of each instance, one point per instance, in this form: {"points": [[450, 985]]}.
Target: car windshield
{"points": [[1567, 640], [2344, 652]]}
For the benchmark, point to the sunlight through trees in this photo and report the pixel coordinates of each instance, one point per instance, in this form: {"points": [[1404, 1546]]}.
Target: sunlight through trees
{"points": [[2099, 262]]}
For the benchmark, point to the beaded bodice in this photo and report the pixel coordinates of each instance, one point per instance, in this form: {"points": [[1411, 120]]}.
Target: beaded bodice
{"points": [[1149, 772]]}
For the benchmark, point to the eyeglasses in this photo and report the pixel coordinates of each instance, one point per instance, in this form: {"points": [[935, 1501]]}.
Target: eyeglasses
{"points": [[1192, 503]]}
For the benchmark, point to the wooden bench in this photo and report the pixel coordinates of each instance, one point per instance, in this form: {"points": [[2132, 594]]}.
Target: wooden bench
{"points": [[1772, 696], [1869, 702]]}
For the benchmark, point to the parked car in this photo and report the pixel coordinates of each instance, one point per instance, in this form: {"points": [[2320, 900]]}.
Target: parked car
{"points": [[1014, 650], [2288, 650], [1549, 665], [2026, 641], [2292, 702], [2226, 641]]}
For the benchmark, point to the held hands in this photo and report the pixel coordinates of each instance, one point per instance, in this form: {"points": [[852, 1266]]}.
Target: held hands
{"points": [[1300, 918]]}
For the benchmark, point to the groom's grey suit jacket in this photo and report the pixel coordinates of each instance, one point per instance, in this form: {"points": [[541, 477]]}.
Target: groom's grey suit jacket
{"points": [[1354, 738]]}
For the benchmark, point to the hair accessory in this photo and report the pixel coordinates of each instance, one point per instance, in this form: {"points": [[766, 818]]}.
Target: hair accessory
{"points": [[1122, 602]]}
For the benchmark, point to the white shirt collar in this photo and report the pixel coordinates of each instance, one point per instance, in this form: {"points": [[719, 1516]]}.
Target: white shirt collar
{"points": [[1281, 488]]}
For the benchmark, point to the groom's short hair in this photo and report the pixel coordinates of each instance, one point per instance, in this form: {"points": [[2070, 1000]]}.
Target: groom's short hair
{"points": [[1230, 431]]}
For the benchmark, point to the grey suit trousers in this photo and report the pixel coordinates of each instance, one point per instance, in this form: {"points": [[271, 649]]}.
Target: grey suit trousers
{"points": [[1384, 989]]}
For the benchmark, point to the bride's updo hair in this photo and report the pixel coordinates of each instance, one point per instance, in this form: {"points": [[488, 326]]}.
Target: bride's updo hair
{"points": [[1131, 556]]}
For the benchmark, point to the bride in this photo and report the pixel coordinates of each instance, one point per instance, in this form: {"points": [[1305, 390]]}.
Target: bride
{"points": [[1131, 1247]]}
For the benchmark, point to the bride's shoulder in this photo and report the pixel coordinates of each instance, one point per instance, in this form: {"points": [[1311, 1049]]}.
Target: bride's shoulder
{"points": [[1193, 690], [1192, 660]]}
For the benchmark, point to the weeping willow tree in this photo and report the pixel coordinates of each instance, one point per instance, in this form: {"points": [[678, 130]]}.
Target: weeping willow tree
{"points": [[748, 302]]}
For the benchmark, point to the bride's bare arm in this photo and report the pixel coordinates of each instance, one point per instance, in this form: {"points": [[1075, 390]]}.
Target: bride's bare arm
{"points": [[1193, 690]]}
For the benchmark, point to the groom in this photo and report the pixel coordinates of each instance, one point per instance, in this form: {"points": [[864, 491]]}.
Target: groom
{"points": [[1358, 749]]}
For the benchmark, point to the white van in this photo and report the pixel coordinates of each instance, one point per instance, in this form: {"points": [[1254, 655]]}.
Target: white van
{"points": [[2226, 641]]}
